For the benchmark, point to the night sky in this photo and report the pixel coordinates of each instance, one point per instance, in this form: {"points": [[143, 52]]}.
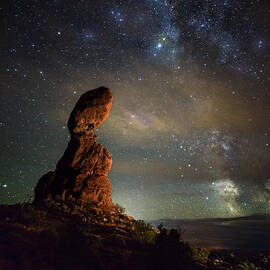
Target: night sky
{"points": [[189, 130]]}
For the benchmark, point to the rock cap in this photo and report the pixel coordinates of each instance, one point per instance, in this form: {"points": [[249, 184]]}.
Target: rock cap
{"points": [[91, 110]]}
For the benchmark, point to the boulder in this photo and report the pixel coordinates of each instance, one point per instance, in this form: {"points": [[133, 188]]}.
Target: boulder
{"points": [[81, 174]]}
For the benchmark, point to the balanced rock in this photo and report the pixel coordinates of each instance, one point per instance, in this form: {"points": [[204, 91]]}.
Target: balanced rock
{"points": [[81, 174]]}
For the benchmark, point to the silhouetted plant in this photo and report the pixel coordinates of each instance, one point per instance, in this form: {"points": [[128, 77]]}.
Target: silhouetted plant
{"points": [[89, 207], [169, 248], [31, 215], [120, 208], [169, 237], [173, 252], [144, 232], [197, 254], [246, 265]]}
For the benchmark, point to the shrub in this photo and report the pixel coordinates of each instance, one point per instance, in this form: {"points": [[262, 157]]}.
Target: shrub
{"points": [[120, 208], [30, 215], [196, 254], [171, 237], [89, 208], [171, 248], [144, 232], [246, 265]]}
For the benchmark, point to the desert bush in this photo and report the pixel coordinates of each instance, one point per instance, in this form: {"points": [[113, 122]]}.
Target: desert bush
{"points": [[246, 265], [169, 237], [89, 208], [120, 208], [196, 254], [170, 249], [30, 215], [173, 252], [144, 232]]}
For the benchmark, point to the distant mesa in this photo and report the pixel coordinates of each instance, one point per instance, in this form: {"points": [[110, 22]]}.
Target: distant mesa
{"points": [[81, 174]]}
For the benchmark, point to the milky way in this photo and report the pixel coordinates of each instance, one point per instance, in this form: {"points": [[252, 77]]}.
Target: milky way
{"points": [[190, 124]]}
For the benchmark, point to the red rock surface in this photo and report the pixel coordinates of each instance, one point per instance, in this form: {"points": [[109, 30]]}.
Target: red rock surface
{"points": [[81, 174]]}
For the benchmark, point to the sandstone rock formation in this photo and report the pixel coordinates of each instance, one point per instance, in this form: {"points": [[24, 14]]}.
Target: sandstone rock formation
{"points": [[81, 174]]}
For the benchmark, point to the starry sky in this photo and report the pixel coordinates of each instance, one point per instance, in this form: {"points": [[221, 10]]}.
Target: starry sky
{"points": [[189, 131]]}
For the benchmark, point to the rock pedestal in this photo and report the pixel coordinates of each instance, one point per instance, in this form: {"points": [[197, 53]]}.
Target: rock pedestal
{"points": [[81, 174]]}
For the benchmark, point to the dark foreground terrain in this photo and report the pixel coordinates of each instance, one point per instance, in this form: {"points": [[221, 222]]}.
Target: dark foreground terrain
{"points": [[63, 237]]}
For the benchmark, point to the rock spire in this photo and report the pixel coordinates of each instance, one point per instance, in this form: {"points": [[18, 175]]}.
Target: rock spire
{"points": [[81, 174]]}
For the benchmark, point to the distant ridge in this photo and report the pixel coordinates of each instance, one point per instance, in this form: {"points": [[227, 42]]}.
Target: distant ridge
{"points": [[250, 217]]}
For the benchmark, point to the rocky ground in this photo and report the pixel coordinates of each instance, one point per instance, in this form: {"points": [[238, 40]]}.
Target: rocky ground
{"points": [[61, 236]]}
